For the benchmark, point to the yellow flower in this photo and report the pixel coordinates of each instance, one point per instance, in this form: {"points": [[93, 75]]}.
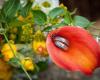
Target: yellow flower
{"points": [[39, 47], [26, 33], [28, 64], [63, 6], [12, 36], [39, 44], [7, 52], [21, 18], [29, 16]]}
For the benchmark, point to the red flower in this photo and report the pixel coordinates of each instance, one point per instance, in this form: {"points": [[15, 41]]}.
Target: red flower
{"points": [[73, 48]]}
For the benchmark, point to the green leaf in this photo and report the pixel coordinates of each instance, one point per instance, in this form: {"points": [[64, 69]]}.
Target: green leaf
{"points": [[90, 24], [67, 18], [59, 25], [40, 17], [47, 29], [56, 12], [16, 23], [1, 56], [24, 11], [2, 18], [14, 62], [10, 8], [81, 21]]}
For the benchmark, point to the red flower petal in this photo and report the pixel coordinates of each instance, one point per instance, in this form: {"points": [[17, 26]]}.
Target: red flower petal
{"points": [[82, 53]]}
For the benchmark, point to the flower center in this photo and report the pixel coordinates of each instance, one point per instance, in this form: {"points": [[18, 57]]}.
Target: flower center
{"points": [[40, 49], [46, 4], [61, 42]]}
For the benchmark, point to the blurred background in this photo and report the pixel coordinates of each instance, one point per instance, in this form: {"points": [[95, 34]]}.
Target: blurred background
{"points": [[89, 9], [86, 8]]}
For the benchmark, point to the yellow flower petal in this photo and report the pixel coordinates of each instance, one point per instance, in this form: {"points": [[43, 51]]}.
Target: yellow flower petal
{"points": [[28, 63], [7, 52]]}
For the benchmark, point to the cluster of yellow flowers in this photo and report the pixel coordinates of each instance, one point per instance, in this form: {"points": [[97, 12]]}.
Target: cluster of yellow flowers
{"points": [[39, 44], [9, 50], [21, 18], [27, 33]]}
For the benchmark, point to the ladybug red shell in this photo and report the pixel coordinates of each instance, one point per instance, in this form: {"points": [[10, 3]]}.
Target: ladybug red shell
{"points": [[73, 48]]}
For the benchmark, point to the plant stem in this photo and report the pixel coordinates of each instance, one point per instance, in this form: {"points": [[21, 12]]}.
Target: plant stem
{"points": [[17, 57]]}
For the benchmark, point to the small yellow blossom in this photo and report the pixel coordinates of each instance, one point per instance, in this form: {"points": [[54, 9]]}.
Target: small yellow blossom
{"points": [[7, 51], [28, 64], [21, 18], [63, 6], [26, 33], [39, 44]]}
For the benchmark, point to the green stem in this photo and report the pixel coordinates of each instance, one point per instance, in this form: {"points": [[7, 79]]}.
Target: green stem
{"points": [[14, 53], [17, 57]]}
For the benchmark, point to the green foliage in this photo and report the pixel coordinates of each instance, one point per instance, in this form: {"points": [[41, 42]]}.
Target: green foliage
{"points": [[14, 62], [68, 18], [56, 12], [24, 11], [10, 8], [42, 65], [40, 17], [81, 21], [1, 56], [16, 23], [49, 28], [1, 17]]}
